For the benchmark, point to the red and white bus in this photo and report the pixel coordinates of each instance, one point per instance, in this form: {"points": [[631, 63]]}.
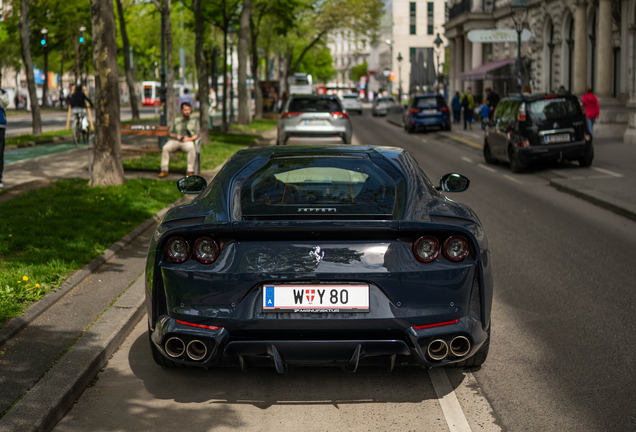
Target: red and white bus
{"points": [[150, 93]]}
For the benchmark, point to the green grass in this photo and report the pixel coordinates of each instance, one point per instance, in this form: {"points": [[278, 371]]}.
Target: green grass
{"points": [[142, 121], [21, 139], [221, 147], [261, 125], [47, 233]]}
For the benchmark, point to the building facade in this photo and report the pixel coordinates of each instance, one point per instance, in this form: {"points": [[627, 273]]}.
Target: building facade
{"points": [[347, 50], [574, 43]]}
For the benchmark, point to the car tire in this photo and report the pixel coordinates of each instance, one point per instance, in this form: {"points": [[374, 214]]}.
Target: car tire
{"points": [[160, 359], [477, 359], [516, 166], [346, 140], [488, 157], [448, 127], [410, 129], [586, 161], [360, 112]]}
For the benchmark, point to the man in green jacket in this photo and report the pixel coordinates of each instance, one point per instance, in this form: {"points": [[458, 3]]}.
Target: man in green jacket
{"points": [[184, 132], [468, 106]]}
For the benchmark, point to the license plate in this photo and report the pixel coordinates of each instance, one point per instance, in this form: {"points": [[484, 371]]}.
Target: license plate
{"points": [[430, 111], [556, 138], [315, 122], [316, 298]]}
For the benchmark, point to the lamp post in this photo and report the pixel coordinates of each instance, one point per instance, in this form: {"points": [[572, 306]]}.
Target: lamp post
{"points": [[519, 9], [230, 31], [399, 59], [389, 42], [438, 43], [82, 40], [45, 47], [163, 99]]}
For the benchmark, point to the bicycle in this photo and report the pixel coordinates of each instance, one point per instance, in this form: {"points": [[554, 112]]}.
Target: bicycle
{"points": [[80, 134]]}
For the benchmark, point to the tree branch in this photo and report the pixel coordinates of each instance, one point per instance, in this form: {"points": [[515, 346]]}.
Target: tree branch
{"points": [[156, 3], [307, 48]]}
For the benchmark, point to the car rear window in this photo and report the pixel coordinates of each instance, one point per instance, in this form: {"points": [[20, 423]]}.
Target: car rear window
{"points": [[552, 109], [318, 188], [314, 105], [351, 96], [429, 101]]}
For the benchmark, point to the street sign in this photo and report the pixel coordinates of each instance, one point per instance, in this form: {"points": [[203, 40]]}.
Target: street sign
{"points": [[498, 35], [386, 72]]}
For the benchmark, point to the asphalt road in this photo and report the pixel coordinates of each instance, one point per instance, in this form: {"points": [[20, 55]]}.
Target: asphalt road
{"points": [[562, 340]]}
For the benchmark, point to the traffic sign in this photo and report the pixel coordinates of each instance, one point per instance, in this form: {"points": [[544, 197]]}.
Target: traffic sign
{"points": [[386, 72], [498, 35]]}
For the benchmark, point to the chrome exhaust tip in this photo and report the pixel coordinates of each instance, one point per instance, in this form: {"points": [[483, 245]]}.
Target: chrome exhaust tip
{"points": [[460, 346], [196, 350], [437, 350], [175, 347]]}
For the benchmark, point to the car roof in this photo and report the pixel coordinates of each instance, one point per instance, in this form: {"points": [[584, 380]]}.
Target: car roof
{"points": [[538, 96], [417, 96], [317, 150]]}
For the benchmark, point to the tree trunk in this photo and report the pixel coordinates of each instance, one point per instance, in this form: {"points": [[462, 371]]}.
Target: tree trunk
{"points": [[45, 85], [258, 94], [225, 87], [243, 94], [199, 58], [127, 66], [170, 96], [28, 65], [107, 168], [215, 72]]}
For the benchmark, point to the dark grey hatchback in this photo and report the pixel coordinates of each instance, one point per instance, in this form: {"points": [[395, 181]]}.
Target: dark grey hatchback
{"points": [[543, 127]]}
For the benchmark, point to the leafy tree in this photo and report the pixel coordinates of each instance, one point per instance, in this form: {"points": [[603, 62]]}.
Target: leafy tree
{"points": [[358, 71], [127, 65], [25, 43]]}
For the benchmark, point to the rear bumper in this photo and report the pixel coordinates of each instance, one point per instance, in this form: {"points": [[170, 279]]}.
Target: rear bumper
{"points": [[574, 150], [430, 121], [410, 347]]}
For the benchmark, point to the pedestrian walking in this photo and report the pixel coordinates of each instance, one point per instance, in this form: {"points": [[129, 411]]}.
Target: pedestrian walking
{"points": [[592, 109], [184, 132], [493, 100], [187, 98], [484, 112], [4, 103], [468, 105], [457, 108]]}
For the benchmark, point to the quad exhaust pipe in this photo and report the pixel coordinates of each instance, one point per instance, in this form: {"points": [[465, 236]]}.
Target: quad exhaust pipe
{"points": [[460, 346], [175, 347], [438, 349], [196, 350]]}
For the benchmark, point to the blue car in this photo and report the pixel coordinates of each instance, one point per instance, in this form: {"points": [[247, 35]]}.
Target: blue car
{"points": [[306, 255], [426, 111]]}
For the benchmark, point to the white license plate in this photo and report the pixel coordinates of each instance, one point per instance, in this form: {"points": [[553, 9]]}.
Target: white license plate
{"points": [[315, 122], [430, 111], [316, 298], [556, 138]]}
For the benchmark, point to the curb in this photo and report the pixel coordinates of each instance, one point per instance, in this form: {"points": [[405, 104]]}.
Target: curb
{"points": [[614, 205], [51, 397], [18, 323]]}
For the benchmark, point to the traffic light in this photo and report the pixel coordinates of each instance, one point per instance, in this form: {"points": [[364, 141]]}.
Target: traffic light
{"points": [[82, 39], [43, 39]]}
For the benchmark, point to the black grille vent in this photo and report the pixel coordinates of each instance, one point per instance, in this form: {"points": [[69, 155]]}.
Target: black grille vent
{"points": [[185, 221], [475, 300]]}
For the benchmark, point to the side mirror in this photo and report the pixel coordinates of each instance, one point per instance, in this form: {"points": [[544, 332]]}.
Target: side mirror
{"points": [[453, 183], [192, 185]]}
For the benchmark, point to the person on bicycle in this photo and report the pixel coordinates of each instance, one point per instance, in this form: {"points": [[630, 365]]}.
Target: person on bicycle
{"points": [[78, 105]]}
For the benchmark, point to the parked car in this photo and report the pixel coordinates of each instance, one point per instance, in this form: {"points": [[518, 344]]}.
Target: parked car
{"points": [[425, 111], [309, 255], [351, 102], [314, 116], [544, 127], [382, 105]]}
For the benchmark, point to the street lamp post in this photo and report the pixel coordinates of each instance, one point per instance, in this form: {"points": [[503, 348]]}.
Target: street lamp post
{"points": [[389, 42], [45, 47], [82, 40], [519, 9], [399, 59], [163, 119], [438, 43]]}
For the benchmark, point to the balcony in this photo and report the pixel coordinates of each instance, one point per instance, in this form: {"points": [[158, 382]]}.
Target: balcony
{"points": [[466, 5]]}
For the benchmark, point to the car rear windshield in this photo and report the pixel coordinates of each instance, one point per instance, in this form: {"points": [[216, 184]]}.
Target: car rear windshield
{"points": [[318, 188], [554, 109], [314, 105], [429, 102], [351, 96]]}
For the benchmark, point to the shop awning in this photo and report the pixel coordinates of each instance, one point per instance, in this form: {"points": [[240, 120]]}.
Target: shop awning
{"points": [[482, 72]]}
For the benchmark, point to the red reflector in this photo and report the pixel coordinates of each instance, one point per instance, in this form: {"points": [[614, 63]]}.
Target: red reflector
{"points": [[413, 110], [443, 109], [198, 325], [524, 143], [436, 325], [339, 115], [521, 117], [551, 97]]}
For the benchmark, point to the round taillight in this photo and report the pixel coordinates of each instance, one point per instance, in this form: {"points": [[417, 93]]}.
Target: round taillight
{"points": [[455, 248], [178, 249], [426, 249], [206, 250]]}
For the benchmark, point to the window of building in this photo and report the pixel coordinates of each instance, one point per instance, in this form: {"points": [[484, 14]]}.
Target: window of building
{"points": [[430, 21], [412, 54], [412, 19]]}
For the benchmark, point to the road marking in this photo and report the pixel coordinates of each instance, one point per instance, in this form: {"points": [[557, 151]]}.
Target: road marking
{"points": [[511, 178], [487, 168], [465, 141], [612, 173], [453, 413], [467, 159]]}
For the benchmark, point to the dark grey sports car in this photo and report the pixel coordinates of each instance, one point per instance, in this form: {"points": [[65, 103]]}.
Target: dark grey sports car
{"points": [[340, 256]]}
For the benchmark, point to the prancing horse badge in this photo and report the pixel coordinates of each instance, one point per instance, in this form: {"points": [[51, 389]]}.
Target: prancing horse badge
{"points": [[317, 255]]}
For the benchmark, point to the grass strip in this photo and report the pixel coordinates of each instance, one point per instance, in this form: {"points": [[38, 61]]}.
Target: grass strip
{"points": [[260, 125], [220, 147], [21, 139], [47, 233]]}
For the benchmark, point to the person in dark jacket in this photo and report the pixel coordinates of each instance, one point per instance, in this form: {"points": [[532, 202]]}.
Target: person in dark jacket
{"points": [[457, 108], [492, 99]]}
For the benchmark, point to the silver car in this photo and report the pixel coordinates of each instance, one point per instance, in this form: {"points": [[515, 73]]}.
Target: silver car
{"points": [[351, 102], [309, 116], [382, 105]]}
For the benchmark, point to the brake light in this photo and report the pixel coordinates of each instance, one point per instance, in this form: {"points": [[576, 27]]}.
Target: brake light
{"points": [[444, 109], [178, 249], [413, 110], [339, 115], [291, 114], [426, 249], [436, 324], [455, 248], [524, 142], [206, 250], [198, 325], [551, 97], [588, 137], [521, 116]]}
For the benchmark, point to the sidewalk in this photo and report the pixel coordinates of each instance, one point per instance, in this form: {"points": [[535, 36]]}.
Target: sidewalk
{"points": [[609, 183]]}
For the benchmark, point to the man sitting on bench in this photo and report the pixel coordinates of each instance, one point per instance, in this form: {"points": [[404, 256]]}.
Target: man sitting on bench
{"points": [[185, 131]]}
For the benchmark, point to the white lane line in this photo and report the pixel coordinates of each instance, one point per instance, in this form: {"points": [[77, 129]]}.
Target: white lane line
{"points": [[511, 178], [464, 158], [487, 168], [453, 413], [612, 173]]}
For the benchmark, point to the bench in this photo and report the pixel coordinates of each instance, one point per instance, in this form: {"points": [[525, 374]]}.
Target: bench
{"points": [[148, 130]]}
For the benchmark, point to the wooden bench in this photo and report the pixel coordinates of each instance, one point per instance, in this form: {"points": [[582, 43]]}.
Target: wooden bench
{"points": [[148, 130]]}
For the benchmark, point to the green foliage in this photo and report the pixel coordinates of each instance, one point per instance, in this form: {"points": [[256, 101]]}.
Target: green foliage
{"points": [[50, 232], [260, 125], [358, 71], [317, 62], [21, 139]]}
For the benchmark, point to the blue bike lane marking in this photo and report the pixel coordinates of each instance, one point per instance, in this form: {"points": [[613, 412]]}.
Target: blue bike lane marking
{"points": [[38, 151]]}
